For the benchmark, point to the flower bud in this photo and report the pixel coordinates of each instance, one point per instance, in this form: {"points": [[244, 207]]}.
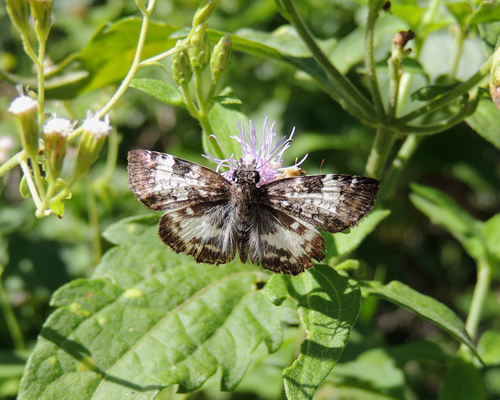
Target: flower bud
{"points": [[19, 14], [42, 11], [199, 54], [24, 109], [54, 134], [221, 58], [94, 134], [181, 67], [205, 10], [197, 34]]}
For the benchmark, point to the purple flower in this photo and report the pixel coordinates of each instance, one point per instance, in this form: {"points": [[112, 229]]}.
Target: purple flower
{"points": [[266, 158]]}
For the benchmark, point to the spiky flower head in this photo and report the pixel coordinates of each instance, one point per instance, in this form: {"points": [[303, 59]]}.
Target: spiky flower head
{"points": [[267, 158], [94, 134], [24, 109], [54, 133]]}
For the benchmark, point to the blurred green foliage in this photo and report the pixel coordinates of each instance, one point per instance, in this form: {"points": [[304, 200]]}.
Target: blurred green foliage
{"points": [[392, 354]]}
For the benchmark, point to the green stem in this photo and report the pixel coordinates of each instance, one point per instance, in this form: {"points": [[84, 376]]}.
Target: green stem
{"points": [[41, 80], [10, 317], [347, 94], [373, 15], [450, 96], [478, 298], [457, 53], [42, 210], [12, 162], [135, 63], [445, 124], [406, 151], [95, 237], [384, 140], [38, 178], [113, 143], [202, 103], [31, 184], [189, 101]]}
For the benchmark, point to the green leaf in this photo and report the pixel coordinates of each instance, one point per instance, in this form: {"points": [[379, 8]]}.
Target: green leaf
{"points": [[106, 59], [489, 347], [58, 208], [12, 365], [461, 10], [409, 12], [424, 306], [374, 369], [276, 290], [328, 308], [340, 244], [443, 211], [24, 188], [227, 100], [431, 92], [483, 119], [486, 13], [224, 122], [149, 319], [491, 233], [462, 382], [161, 90]]}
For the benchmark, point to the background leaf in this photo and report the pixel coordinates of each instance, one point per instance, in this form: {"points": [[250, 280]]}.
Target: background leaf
{"points": [[148, 319], [482, 121], [328, 308], [161, 90], [445, 212], [424, 306], [463, 382]]}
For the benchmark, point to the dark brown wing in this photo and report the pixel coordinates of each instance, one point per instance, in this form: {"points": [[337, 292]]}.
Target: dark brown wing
{"points": [[332, 203]]}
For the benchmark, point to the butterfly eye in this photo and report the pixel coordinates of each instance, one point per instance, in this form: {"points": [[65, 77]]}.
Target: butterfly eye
{"points": [[234, 177], [256, 177]]}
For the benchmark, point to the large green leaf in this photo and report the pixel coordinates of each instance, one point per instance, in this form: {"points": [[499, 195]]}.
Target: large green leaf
{"points": [[224, 121], [445, 212], [463, 382], [161, 90], [148, 319], [488, 347], [484, 121], [424, 306], [340, 244], [487, 12], [328, 308]]}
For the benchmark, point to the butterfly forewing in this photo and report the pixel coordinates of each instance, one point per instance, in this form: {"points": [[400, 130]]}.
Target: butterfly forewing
{"points": [[196, 222], [162, 182], [332, 203]]}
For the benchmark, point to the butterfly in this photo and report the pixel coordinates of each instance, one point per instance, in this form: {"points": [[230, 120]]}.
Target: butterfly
{"points": [[213, 218]]}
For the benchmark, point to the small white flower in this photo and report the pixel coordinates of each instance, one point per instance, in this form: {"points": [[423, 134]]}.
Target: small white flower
{"points": [[61, 126], [95, 126], [22, 104]]}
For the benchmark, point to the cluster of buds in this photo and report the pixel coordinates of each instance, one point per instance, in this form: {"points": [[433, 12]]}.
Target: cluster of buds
{"points": [[54, 133], [197, 56], [41, 11]]}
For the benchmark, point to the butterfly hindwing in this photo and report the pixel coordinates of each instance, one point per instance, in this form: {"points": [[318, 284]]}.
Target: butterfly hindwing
{"points": [[283, 243], [202, 230], [332, 203], [162, 182]]}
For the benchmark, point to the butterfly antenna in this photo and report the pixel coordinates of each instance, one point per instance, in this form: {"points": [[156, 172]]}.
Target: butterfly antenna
{"points": [[321, 166], [230, 160], [276, 152]]}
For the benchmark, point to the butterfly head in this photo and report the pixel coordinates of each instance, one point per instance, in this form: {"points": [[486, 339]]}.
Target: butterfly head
{"points": [[245, 173]]}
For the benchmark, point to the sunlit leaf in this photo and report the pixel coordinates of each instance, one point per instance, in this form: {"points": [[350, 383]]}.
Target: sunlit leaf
{"points": [[489, 347], [424, 306], [482, 121], [161, 90], [328, 308], [148, 319], [443, 211]]}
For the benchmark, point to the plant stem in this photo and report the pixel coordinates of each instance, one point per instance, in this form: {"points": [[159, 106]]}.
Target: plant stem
{"points": [[457, 53], [31, 184], [479, 296], [189, 101], [95, 236], [41, 80], [405, 153], [10, 317], [373, 15], [347, 94], [384, 139], [12, 162], [450, 96]]}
